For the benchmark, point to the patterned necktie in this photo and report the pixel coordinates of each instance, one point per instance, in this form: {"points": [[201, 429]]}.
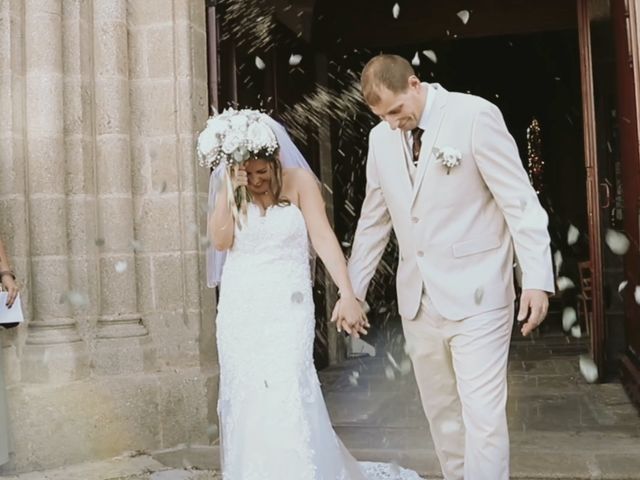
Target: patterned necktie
{"points": [[416, 133]]}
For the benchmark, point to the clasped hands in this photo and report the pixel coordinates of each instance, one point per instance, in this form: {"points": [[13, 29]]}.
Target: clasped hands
{"points": [[349, 315]]}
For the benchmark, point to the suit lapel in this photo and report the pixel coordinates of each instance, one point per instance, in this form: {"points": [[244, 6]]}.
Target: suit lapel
{"points": [[429, 138]]}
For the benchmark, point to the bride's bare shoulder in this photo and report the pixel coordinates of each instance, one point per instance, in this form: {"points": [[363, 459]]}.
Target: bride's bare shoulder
{"points": [[296, 177]]}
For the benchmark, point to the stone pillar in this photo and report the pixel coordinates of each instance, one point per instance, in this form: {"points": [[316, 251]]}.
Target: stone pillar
{"points": [[54, 351], [122, 344]]}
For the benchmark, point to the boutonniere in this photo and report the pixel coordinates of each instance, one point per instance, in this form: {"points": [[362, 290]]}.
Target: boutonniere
{"points": [[449, 157]]}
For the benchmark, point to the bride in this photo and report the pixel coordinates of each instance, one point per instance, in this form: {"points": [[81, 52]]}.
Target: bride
{"points": [[274, 423]]}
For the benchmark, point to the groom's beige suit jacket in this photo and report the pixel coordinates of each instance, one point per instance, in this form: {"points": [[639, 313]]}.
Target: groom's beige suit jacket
{"points": [[456, 231]]}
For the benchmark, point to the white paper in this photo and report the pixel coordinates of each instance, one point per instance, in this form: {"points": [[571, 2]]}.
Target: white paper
{"points": [[13, 314]]}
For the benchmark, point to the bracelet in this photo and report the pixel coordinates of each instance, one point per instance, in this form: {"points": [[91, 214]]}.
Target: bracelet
{"points": [[7, 272]]}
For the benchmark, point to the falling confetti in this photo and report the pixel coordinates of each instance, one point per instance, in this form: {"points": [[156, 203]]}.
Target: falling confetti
{"points": [[431, 55], [572, 235], [478, 294], [297, 297], [617, 242], [393, 361], [295, 59], [588, 369], [121, 266], [389, 373], [636, 295], [576, 331], [622, 286], [396, 11], [415, 61], [557, 260], [260, 63], [569, 318], [463, 15], [74, 298], [565, 283]]}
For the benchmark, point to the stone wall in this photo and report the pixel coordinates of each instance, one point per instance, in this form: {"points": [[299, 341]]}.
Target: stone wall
{"points": [[102, 209]]}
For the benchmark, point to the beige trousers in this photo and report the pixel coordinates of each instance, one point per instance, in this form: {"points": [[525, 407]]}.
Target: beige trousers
{"points": [[461, 371]]}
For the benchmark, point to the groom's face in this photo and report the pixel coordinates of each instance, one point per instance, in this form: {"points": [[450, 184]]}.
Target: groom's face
{"points": [[401, 110]]}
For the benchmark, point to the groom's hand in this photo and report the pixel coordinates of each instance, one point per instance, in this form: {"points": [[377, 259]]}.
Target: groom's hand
{"points": [[533, 308], [354, 329]]}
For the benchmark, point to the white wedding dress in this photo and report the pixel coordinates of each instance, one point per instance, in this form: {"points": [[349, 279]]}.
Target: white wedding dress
{"points": [[274, 423]]}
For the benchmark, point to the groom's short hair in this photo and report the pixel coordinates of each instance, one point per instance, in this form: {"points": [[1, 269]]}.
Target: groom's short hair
{"points": [[385, 70]]}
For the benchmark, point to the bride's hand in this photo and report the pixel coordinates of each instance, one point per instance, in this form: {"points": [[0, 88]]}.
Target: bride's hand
{"points": [[351, 316], [239, 177]]}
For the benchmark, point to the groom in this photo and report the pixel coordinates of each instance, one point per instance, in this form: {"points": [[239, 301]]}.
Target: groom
{"points": [[444, 173]]}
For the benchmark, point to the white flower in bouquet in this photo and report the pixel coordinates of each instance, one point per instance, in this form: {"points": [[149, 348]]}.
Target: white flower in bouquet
{"points": [[231, 142], [239, 122], [261, 137]]}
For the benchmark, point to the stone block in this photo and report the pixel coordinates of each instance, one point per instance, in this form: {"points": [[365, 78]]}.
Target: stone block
{"points": [[144, 284], [81, 224], [199, 55], [115, 227], [183, 407], [118, 356], [48, 225], [44, 40], [113, 165], [153, 108], [111, 56], [112, 11], [150, 12], [44, 105], [160, 51], [157, 224], [162, 159], [137, 53], [55, 363], [13, 227], [46, 165], [168, 277], [118, 289], [140, 168], [93, 419], [112, 105], [80, 178]]}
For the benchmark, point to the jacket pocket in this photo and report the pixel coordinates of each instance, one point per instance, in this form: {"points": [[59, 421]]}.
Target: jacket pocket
{"points": [[471, 247]]}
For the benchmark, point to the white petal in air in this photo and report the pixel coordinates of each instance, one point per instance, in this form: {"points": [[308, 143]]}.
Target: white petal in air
{"points": [[569, 318], [622, 285], [260, 63], [617, 242], [121, 266], [564, 283], [388, 372], [557, 260], [415, 61], [636, 295], [295, 59], [396, 11], [463, 15], [572, 235], [576, 331], [431, 55], [588, 369]]}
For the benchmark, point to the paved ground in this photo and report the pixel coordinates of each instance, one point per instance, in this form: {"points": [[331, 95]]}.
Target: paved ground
{"points": [[561, 427]]}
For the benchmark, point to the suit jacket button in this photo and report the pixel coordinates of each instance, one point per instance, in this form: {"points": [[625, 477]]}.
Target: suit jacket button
{"points": [[420, 253], [415, 219]]}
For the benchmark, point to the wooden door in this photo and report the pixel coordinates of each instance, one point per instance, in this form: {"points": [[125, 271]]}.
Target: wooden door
{"points": [[625, 37]]}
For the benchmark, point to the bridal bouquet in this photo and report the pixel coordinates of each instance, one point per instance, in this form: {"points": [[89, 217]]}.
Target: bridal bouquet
{"points": [[230, 139]]}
